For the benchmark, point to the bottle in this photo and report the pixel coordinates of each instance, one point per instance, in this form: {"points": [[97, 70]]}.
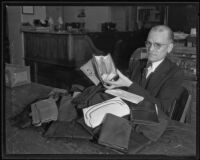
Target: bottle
{"points": [[60, 23], [51, 24]]}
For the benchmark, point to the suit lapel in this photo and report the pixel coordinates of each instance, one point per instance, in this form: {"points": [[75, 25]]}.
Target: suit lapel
{"points": [[137, 72], [161, 73]]}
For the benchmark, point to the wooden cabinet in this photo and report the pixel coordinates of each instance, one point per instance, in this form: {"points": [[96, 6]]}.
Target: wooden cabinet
{"points": [[54, 57], [69, 50]]}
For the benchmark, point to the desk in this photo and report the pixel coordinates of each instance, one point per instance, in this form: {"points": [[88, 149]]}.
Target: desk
{"points": [[179, 139]]}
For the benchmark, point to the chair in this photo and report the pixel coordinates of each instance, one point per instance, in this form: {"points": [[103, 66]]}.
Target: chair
{"points": [[181, 105], [139, 53]]}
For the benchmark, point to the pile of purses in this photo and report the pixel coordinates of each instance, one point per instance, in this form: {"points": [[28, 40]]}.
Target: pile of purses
{"points": [[97, 116]]}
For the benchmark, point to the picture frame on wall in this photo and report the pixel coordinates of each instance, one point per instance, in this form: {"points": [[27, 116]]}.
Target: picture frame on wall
{"points": [[27, 10]]}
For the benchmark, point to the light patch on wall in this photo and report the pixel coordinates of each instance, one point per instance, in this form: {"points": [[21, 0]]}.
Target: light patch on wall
{"points": [[95, 16], [39, 13]]}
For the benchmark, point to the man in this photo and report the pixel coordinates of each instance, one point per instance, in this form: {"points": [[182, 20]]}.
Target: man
{"points": [[162, 78]]}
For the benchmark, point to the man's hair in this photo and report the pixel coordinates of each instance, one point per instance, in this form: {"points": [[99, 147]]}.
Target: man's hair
{"points": [[161, 28]]}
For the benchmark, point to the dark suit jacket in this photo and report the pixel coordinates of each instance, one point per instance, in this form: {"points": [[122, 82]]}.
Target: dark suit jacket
{"points": [[160, 86]]}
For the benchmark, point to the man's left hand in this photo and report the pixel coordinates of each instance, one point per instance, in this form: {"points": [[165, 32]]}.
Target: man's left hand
{"points": [[123, 81]]}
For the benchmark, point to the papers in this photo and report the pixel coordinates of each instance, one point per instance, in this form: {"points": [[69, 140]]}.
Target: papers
{"points": [[125, 95], [94, 115]]}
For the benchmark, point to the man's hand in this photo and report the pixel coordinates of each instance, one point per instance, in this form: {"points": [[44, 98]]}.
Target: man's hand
{"points": [[123, 81]]}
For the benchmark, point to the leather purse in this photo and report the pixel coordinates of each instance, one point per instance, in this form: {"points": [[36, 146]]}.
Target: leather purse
{"points": [[44, 111], [67, 110], [67, 130], [145, 113], [115, 133]]}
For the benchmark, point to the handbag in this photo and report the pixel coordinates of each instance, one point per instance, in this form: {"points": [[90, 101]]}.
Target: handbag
{"points": [[44, 111], [115, 133], [67, 110], [145, 113], [67, 130]]}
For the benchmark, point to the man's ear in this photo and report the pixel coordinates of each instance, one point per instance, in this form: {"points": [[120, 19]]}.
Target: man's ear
{"points": [[170, 47]]}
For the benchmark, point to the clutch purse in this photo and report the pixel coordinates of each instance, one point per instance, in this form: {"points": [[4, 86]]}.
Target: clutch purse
{"points": [[94, 115], [145, 113], [115, 133], [44, 111], [67, 130]]}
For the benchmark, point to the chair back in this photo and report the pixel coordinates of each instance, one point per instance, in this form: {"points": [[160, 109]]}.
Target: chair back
{"points": [[181, 105], [139, 53]]}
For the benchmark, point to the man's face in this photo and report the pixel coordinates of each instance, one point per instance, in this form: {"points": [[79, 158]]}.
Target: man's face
{"points": [[158, 45]]}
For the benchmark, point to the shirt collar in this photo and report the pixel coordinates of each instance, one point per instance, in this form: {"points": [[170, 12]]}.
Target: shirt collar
{"points": [[156, 64]]}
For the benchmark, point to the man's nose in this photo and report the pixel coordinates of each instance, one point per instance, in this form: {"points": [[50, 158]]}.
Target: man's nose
{"points": [[151, 48]]}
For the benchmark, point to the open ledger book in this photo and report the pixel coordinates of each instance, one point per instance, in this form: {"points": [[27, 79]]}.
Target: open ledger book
{"points": [[100, 68]]}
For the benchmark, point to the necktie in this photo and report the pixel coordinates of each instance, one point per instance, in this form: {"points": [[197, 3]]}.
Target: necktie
{"points": [[145, 71], [149, 64]]}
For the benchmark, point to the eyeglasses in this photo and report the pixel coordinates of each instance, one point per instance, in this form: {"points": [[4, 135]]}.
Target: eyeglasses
{"points": [[157, 46]]}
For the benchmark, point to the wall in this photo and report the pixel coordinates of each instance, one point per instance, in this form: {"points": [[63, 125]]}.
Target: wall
{"points": [[119, 17], [70, 13], [15, 18], [54, 12], [15, 37], [39, 13], [186, 18], [123, 16], [95, 16]]}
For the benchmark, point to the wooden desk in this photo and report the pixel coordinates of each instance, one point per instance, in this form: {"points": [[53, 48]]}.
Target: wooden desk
{"points": [[179, 139]]}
